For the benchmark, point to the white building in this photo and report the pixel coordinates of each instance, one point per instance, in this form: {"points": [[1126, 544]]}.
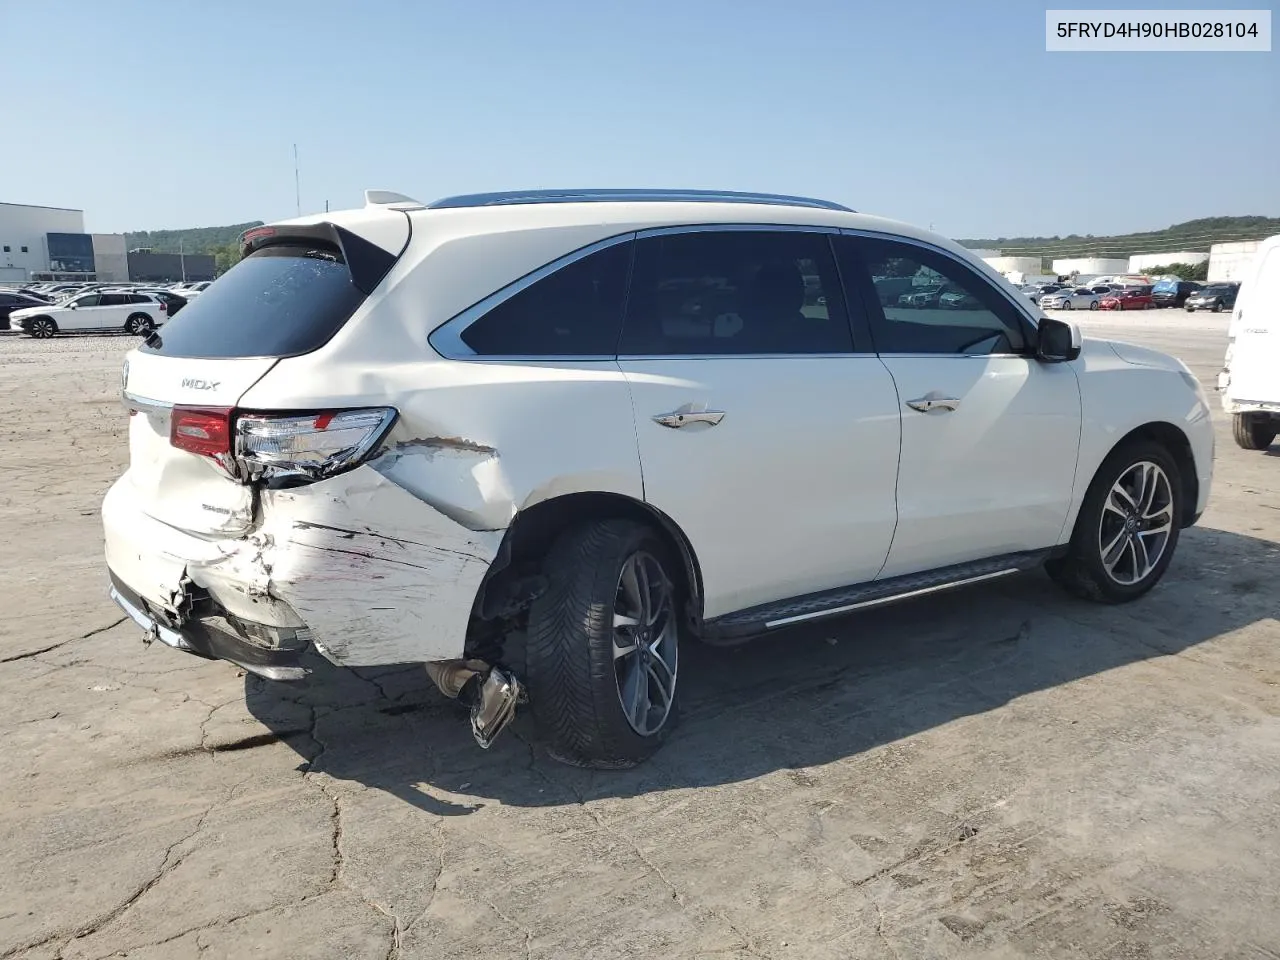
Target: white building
{"points": [[50, 243], [1089, 266], [24, 237], [1143, 262], [1230, 261], [1027, 265]]}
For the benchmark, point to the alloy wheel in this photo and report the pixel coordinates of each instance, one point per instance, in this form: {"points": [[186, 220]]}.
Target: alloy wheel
{"points": [[645, 643], [1137, 520]]}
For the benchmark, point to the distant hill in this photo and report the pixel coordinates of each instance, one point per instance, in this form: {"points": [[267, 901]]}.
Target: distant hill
{"points": [[193, 240], [1193, 235]]}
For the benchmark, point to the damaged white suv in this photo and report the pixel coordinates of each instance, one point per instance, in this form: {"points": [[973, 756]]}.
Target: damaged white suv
{"points": [[538, 440]]}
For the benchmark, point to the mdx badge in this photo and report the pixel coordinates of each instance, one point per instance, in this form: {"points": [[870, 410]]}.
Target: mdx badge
{"points": [[189, 384]]}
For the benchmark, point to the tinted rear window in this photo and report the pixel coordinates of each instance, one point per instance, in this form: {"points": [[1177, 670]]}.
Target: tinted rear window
{"points": [[280, 301]]}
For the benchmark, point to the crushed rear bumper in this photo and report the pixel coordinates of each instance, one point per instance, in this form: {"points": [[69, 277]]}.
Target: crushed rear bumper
{"points": [[368, 572], [211, 637]]}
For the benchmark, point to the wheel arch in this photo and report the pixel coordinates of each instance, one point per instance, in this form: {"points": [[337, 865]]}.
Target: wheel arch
{"points": [[1173, 439], [534, 529]]}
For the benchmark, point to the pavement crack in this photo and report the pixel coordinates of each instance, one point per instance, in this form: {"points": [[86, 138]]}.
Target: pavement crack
{"points": [[880, 926], [62, 643]]}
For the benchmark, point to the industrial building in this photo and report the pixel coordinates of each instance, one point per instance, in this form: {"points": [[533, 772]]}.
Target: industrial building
{"points": [[165, 267], [1090, 266], [49, 243], [1230, 261], [1142, 262]]}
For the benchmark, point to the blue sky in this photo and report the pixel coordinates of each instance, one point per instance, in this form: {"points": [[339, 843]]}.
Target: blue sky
{"points": [[176, 113]]}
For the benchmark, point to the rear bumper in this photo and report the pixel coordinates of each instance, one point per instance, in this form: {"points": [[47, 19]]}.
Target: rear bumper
{"points": [[372, 573], [204, 639]]}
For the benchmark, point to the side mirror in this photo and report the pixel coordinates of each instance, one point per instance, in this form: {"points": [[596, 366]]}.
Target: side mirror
{"points": [[71, 306], [1057, 341]]}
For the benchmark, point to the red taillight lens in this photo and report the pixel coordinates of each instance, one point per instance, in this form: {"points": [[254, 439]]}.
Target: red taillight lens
{"points": [[163, 308], [202, 430]]}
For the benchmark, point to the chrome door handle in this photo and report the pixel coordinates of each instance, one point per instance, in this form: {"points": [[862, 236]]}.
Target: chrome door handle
{"points": [[934, 402], [688, 414]]}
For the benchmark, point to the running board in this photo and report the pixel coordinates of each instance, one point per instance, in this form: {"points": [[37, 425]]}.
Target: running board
{"points": [[742, 625]]}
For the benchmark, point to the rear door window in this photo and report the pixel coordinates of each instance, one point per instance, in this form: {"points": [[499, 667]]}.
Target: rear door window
{"points": [[737, 292], [280, 301]]}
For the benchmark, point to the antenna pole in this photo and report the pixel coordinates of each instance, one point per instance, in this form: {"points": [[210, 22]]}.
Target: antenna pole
{"points": [[297, 188]]}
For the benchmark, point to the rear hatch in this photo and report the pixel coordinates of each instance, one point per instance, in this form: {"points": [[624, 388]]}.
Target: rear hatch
{"points": [[297, 285], [1255, 329]]}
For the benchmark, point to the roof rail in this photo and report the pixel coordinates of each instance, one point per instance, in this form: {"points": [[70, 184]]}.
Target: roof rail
{"points": [[623, 196]]}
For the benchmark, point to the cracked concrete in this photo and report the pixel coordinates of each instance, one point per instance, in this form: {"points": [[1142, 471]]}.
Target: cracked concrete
{"points": [[999, 773]]}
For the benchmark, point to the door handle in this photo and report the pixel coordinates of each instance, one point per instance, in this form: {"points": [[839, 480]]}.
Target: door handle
{"points": [[934, 402], [688, 414]]}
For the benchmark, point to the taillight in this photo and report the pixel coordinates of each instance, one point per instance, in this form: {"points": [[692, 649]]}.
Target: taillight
{"points": [[202, 430], [266, 446], [163, 308], [311, 445]]}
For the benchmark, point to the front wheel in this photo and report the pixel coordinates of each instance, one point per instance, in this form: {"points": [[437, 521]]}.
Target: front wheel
{"points": [[42, 328], [1217, 308], [1127, 528], [1252, 432], [603, 645], [1066, 304]]}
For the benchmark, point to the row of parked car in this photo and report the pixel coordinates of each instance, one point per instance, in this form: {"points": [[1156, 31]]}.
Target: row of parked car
{"points": [[44, 310], [1188, 294]]}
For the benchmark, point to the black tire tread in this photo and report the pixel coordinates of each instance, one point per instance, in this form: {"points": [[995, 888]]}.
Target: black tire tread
{"points": [[572, 689], [1251, 433]]}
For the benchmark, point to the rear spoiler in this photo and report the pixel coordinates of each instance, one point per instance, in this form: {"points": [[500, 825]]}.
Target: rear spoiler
{"points": [[367, 262]]}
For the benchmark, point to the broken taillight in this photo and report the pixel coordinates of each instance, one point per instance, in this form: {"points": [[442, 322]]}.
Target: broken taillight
{"points": [[311, 445], [202, 430], [302, 447]]}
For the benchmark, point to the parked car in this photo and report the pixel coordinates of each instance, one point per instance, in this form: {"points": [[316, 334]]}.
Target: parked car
{"points": [[1136, 298], [1080, 298], [172, 301], [11, 300], [134, 313], [1214, 296], [1250, 377], [325, 457], [1173, 293]]}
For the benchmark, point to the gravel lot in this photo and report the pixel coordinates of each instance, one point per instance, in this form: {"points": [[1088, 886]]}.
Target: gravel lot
{"points": [[1002, 772]]}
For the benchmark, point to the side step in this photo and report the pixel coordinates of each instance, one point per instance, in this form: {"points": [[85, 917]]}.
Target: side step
{"points": [[743, 625]]}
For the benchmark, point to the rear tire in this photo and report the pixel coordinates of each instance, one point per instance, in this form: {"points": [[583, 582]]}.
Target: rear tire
{"points": [[603, 690], [1093, 304], [1109, 558], [42, 328], [1252, 432], [139, 324]]}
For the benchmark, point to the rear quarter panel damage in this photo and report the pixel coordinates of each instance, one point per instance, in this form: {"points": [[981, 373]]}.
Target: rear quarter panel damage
{"points": [[378, 575]]}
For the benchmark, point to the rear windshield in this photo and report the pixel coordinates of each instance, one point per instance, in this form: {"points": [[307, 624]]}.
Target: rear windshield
{"points": [[280, 301]]}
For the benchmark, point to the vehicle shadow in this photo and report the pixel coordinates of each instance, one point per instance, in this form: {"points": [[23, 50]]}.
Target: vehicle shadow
{"points": [[800, 699]]}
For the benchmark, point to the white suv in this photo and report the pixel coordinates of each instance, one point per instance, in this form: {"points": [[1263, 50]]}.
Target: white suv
{"points": [[537, 441], [136, 313]]}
